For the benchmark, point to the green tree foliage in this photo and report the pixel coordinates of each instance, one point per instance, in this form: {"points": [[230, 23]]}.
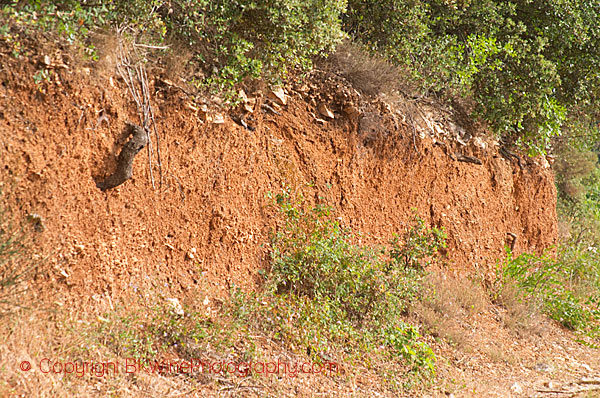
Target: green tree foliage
{"points": [[529, 65], [524, 62], [231, 40], [236, 39]]}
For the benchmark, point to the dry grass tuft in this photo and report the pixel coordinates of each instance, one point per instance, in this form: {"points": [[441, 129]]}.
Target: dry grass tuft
{"points": [[177, 61], [107, 50], [457, 294], [499, 354], [449, 301], [18, 261], [521, 316], [441, 325], [370, 74]]}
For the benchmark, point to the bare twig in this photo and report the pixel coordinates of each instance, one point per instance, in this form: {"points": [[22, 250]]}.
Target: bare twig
{"points": [[151, 114], [180, 186], [240, 387], [414, 135], [553, 391], [80, 117], [136, 79], [151, 47], [144, 113]]}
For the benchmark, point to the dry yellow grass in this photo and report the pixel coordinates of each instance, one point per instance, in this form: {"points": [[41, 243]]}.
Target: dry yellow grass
{"points": [[447, 304]]}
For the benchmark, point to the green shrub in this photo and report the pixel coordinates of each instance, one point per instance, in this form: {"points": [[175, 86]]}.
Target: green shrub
{"points": [[154, 328], [524, 62], [562, 285], [339, 293], [417, 244], [312, 256], [230, 40]]}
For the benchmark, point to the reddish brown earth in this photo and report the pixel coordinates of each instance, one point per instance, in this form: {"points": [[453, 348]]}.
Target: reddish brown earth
{"points": [[54, 147]]}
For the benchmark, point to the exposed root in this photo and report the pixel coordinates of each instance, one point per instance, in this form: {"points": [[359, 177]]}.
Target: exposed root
{"points": [[135, 76], [125, 160]]}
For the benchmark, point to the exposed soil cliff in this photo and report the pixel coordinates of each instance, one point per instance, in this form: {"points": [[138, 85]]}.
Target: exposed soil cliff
{"points": [[61, 135]]}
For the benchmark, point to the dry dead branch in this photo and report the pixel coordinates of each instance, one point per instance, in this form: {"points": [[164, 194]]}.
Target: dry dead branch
{"points": [[131, 68]]}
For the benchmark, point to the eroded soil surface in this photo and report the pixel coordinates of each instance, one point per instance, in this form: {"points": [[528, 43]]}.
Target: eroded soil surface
{"points": [[59, 137]]}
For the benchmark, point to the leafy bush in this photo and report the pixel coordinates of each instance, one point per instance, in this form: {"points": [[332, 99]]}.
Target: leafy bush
{"points": [[230, 40], [70, 18], [560, 284], [417, 244], [341, 293], [312, 257], [524, 62]]}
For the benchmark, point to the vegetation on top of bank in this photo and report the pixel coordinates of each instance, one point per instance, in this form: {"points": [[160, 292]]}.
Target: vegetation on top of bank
{"points": [[530, 66], [527, 64]]}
